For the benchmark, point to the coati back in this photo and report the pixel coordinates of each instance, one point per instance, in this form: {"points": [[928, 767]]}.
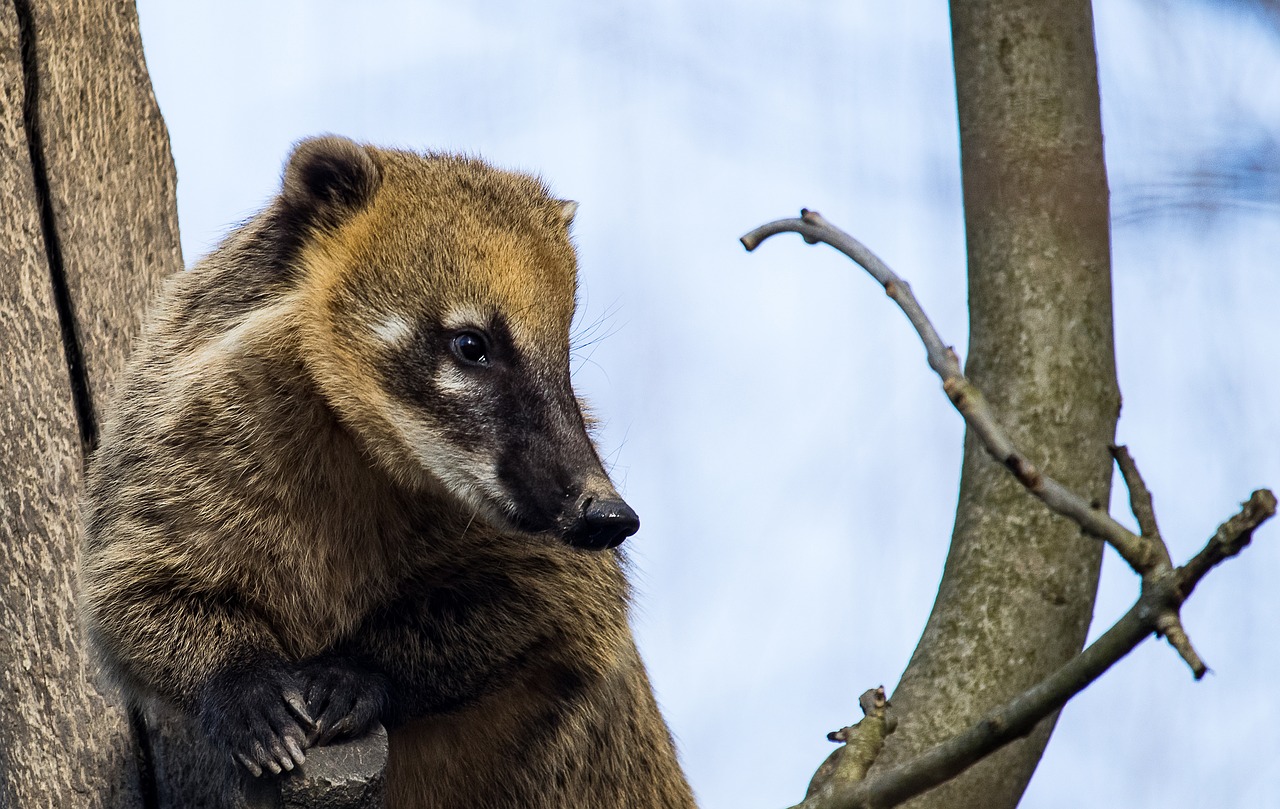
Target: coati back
{"points": [[346, 480]]}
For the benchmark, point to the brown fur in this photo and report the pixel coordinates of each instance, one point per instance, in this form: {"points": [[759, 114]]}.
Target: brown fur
{"points": [[254, 505]]}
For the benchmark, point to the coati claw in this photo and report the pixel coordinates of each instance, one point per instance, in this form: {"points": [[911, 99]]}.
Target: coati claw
{"points": [[281, 755], [295, 750], [267, 761], [248, 764], [298, 704], [344, 699]]}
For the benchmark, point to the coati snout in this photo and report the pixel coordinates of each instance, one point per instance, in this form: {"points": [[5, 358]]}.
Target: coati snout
{"points": [[605, 523], [550, 476], [547, 478]]}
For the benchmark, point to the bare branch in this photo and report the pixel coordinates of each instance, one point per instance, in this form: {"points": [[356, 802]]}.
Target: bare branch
{"points": [[1230, 538], [1139, 497], [1017, 717], [963, 394]]}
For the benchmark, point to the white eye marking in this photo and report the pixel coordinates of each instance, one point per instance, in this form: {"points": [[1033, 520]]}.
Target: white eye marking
{"points": [[465, 317], [392, 330], [450, 380]]}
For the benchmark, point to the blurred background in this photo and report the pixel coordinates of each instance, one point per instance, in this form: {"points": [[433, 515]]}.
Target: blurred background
{"points": [[771, 416]]}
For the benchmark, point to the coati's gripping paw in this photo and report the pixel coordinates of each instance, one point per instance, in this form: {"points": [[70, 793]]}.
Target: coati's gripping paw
{"points": [[259, 717], [344, 699]]}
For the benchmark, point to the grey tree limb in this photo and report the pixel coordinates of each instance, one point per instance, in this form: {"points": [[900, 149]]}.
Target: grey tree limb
{"points": [[62, 742]]}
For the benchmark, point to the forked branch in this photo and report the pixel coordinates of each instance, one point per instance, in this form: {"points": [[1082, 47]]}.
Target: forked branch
{"points": [[1164, 588]]}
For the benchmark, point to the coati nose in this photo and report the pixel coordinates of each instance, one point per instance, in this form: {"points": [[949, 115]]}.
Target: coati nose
{"points": [[605, 523]]}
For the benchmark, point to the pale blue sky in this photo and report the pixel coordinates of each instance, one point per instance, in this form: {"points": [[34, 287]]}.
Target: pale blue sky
{"points": [[770, 416]]}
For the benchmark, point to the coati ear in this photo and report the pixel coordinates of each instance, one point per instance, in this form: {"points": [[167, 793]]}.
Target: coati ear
{"points": [[326, 180], [568, 209]]}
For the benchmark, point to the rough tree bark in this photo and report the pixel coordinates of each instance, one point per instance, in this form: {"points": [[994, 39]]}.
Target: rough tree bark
{"points": [[90, 227], [1017, 593]]}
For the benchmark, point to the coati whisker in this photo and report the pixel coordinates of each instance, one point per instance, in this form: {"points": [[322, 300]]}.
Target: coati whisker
{"points": [[466, 527]]}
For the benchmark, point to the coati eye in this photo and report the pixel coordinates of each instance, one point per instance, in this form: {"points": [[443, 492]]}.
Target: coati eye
{"points": [[470, 348]]}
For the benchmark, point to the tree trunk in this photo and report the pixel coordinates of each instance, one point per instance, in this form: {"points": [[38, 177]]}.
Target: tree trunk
{"points": [[1017, 593], [90, 228], [109, 177]]}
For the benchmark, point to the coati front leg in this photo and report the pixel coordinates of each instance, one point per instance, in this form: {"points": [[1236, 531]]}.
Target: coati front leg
{"points": [[206, 651], [489, 616]]}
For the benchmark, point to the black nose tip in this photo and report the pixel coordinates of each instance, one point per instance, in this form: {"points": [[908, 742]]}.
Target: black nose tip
{"points": [[605, 523]]}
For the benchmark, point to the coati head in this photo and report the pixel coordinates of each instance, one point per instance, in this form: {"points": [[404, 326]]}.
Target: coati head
{"points": [[437, 294]]}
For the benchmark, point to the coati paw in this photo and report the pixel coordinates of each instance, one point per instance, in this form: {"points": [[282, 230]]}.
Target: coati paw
{"points": [[259, 717], [344, 699]]}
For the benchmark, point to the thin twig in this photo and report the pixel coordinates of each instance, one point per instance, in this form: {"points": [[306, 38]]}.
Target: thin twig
{"points": [[1168, 620], [1139, 496], [1169, 626], [963, 394], [1230, 538], [815, 229]]}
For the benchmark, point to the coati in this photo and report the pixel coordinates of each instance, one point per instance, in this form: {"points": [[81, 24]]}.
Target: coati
{"points": [[346, 480]]}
